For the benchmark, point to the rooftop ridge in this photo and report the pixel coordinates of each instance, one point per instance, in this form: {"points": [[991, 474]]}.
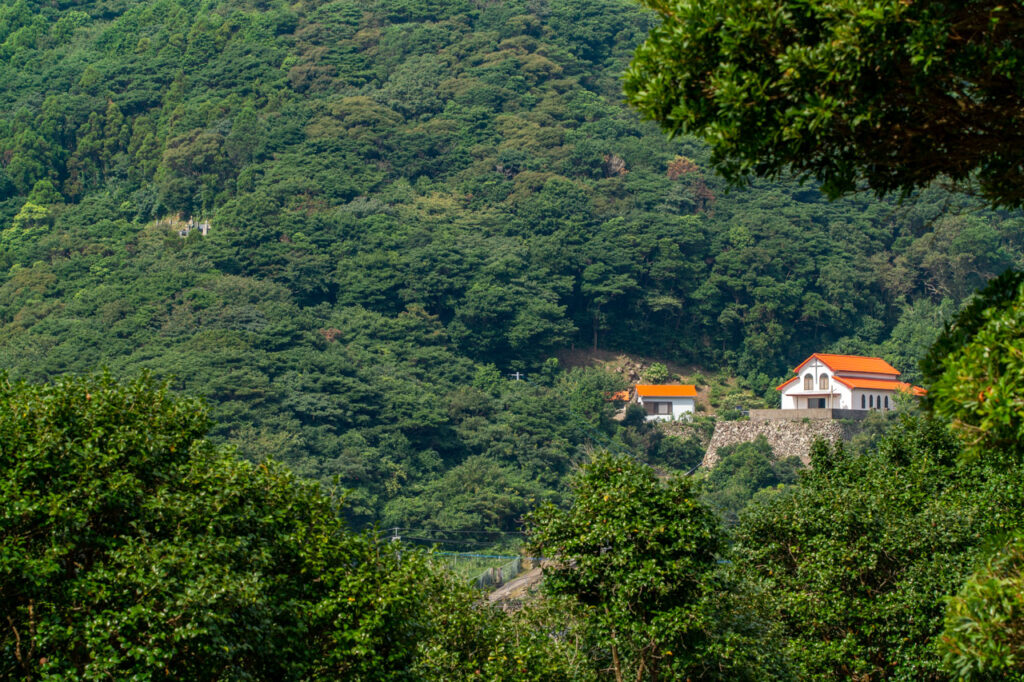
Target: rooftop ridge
{"points": [[839, 362], [666, 390]]}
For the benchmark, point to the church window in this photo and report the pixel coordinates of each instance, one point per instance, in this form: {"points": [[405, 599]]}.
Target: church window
{"points": [[808, 382], [823, 382]]}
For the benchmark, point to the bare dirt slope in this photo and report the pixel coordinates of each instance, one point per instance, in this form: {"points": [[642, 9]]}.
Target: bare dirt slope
{"points": [[631, 367]]}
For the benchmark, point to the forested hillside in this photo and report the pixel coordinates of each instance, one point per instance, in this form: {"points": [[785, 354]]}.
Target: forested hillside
{"points": [[410, 199]]}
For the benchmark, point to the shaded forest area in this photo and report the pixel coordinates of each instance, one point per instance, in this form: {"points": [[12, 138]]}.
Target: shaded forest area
{"points": [[409, 200]]}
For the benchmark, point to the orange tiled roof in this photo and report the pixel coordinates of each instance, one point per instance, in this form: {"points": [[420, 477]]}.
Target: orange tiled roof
{"points": [[785, 383], [881, 385], [852, 363], [913, 390], [619, 395], [666, 391]]}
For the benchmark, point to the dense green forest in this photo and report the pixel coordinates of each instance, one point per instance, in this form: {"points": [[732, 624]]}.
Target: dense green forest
{"points": [[409, 201], [133, 547]]}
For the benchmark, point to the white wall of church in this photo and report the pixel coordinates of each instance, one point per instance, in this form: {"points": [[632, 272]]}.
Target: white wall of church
{"points": [[838, 397], [873, 400]]}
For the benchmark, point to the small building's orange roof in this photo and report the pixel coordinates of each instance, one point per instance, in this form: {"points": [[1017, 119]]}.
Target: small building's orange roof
{"points": [[913, 390], [666, 390], [881, 385], [619, 395], [852, 363]]}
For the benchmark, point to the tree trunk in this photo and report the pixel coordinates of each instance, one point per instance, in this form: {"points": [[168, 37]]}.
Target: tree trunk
{"points": [[615, 662], [616, 665]]}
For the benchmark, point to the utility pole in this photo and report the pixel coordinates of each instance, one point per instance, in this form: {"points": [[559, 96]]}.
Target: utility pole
{"points": [[395, 538]]}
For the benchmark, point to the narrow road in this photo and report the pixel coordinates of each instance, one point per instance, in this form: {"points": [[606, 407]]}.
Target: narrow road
{"points": [[517, 589]]}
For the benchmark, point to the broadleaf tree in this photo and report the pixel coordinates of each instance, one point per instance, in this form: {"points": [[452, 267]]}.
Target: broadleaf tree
{"points": [[638, 557], [893, 93], [131, 547], [855, 562]]}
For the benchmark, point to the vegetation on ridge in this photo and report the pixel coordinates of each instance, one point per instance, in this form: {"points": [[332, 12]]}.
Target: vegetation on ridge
{"points": [[890, 93], [410, 200]]}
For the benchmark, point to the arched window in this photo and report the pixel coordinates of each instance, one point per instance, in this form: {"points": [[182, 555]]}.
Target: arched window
{"points": [[862, 405], [871, 401], [887, 402], [878, 401], [823, 382], [808, 382]]}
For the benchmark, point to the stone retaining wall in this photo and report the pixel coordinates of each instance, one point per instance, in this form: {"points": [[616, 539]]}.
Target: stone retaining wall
{"points": [[812, 413], [788, 438]]}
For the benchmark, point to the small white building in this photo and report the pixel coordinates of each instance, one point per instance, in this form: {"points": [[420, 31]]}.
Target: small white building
{"points": [[194, 225], [844, 382], [667, 401]]}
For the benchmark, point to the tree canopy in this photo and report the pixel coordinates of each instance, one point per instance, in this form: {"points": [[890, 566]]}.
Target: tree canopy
{"points": [[131, 547], [637, 555], [408, 203], [895, 94], [853, 563], [975, 371]]}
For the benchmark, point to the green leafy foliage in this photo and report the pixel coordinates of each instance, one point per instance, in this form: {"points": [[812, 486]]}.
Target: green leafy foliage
{"points": [[409, 201], [975, 371], [984, 621], [634, 553], [536, 642], [131, 547], [742, 472], [666, 451], [866, 93], [855, 561], [656, 373]]}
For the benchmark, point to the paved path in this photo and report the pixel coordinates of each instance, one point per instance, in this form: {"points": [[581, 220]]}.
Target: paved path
{"points": [[516, 589]]}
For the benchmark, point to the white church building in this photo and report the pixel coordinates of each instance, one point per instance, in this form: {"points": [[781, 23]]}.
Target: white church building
{"points": [[844, 382]]}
